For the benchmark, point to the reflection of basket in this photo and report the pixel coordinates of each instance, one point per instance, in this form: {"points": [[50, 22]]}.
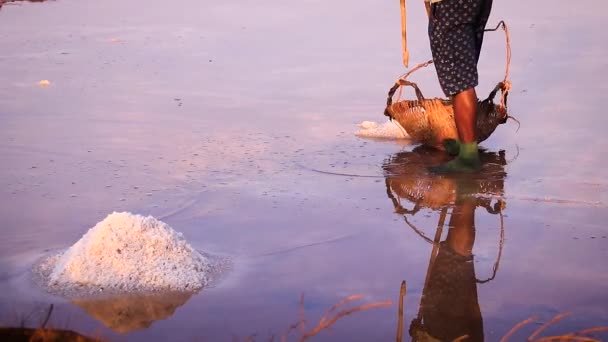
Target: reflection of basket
{"points": [[407, 177], [431, 121]]}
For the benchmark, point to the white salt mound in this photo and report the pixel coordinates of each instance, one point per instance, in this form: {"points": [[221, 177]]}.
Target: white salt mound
{"points": [[387, 130], [127, 252]]}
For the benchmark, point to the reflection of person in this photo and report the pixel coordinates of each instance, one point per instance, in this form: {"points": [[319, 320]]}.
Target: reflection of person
{"points": [[449, 307], [456, 29]]}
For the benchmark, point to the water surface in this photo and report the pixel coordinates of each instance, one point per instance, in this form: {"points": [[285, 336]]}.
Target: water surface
{"points": [[230, 121]]}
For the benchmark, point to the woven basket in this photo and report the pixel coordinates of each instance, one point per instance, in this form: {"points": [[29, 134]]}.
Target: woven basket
{"points": [[431, 121]]}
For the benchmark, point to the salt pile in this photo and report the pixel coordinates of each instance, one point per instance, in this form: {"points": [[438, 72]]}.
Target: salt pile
{"points": [[387, 130], [127, 252]]}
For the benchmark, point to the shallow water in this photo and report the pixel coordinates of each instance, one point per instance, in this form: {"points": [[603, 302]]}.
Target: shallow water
{"points": [[234, 123]]}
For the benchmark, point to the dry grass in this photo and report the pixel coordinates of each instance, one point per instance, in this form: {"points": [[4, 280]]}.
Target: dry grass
{"points": [[581, 335], [329, 318], [335, 313], [42, 333]]}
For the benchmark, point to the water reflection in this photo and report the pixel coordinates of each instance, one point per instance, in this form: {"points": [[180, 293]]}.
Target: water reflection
{"points": [[4, 2], [133, 312], [449, 307]]}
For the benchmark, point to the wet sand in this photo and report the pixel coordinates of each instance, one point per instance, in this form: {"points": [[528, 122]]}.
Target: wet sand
{"points": [[231, 121]]}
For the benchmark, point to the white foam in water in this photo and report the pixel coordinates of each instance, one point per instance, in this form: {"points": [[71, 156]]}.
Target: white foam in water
{"points": [[387, 130], [127, 252]]}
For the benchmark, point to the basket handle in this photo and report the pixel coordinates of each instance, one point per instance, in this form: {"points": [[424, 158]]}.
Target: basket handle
{"points": [[400, 83], [504, 88], [505, 85], [499, 206], [399, 209]]}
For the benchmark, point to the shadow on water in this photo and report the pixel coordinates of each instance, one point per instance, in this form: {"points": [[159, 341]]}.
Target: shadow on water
{"points": [[449, 307]]}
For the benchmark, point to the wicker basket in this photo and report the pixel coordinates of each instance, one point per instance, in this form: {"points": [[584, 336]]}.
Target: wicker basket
{"points": [[431, 121]]}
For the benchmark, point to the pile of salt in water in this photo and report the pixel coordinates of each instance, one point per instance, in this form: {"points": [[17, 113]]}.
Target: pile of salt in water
{"points": [[125, 253]]}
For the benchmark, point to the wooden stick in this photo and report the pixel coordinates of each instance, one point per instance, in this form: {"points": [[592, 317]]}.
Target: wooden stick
{"points": [[406, 54], [400, 323]]}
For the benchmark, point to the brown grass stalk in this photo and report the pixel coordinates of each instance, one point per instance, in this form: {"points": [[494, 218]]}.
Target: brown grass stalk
{"points": [[292, 327], [575, 336], [591, 330], [567, 338], [328, 322], [517, 327], [339, 304], [554, 320], [302, 322]]}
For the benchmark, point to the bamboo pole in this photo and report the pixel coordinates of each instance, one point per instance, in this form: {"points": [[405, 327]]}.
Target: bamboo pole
{"points": [[406, 54]]}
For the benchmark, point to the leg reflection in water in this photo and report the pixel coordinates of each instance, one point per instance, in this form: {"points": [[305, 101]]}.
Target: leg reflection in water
{"points": [[449, 306]]}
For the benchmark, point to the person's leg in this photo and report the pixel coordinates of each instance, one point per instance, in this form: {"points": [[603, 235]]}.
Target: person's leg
{"points": [[465, 115], [452, 146], [456, 44]]}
